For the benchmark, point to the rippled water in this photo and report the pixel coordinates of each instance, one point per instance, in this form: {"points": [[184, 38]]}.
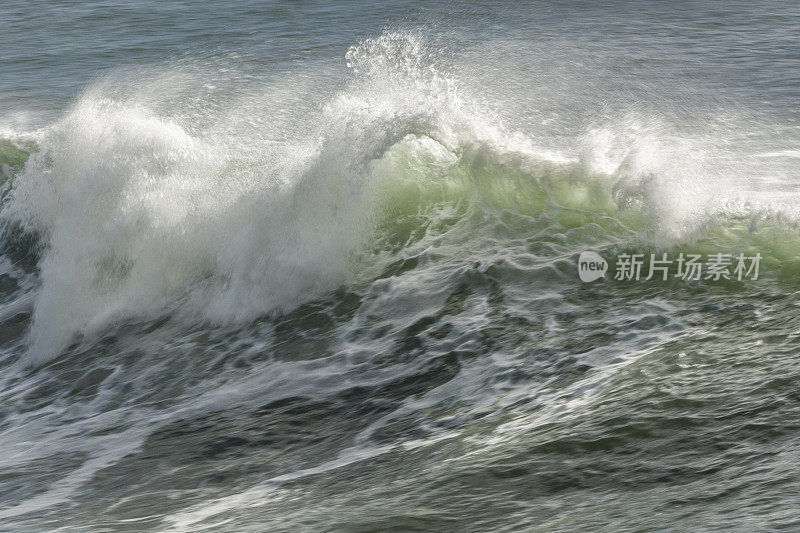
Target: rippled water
{"points": [[313, 267]]}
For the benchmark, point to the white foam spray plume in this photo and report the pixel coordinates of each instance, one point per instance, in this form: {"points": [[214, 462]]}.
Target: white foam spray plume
{"points": [[148, 197]]}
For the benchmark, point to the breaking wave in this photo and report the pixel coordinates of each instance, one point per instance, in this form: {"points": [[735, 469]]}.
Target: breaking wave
{"points": [[160, 192]]}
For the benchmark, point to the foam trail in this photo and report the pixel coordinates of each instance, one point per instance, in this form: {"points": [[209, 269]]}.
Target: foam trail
{"points": [[23, 304]]}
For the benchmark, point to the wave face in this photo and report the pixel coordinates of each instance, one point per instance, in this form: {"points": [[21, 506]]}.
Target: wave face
{"points": [[239, 300]]}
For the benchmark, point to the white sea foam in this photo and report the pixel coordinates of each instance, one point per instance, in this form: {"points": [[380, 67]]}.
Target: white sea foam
{"points": [[140, 208], [226, 208]]}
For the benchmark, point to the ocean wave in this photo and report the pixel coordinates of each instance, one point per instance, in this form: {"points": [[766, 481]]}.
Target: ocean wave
{"points": [[141, 203]]}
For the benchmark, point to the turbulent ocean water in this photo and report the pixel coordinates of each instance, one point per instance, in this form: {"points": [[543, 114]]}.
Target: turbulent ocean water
{"points": [[314, 266]]}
